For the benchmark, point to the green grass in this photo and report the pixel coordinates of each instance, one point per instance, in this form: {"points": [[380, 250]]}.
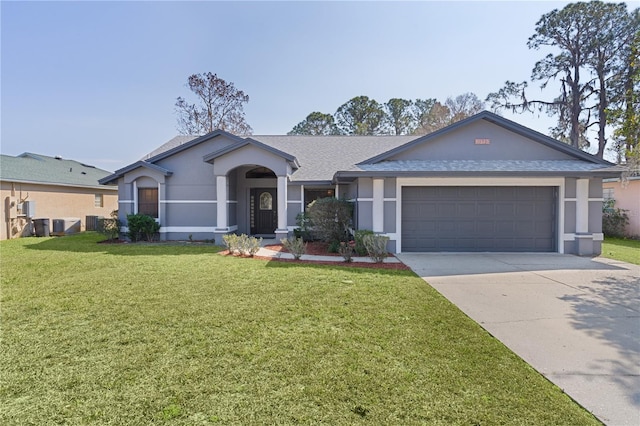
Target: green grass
{"points": [[622, 249], [141, 334]]}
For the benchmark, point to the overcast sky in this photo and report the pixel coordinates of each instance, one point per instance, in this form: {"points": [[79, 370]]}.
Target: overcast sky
{"points": [[97, 81]]}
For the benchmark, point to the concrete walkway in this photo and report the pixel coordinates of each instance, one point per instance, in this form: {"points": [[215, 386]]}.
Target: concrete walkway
{"points": [[575, 320]]}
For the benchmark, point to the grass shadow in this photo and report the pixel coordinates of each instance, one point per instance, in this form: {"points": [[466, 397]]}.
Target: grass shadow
{"points": [[340, 265], [93, 243]]}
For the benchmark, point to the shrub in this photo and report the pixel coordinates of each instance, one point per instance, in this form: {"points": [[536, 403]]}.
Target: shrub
{"points": [[142, 227], [333, 247], [241, 244], [231, 242], [614, 220], [376, 246], [249, 245], [296, 246], [304, 227], [330, 219], [110, 227], [346, 250], [359, 247]]}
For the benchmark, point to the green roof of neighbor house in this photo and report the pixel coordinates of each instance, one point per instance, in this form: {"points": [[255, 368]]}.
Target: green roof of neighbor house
{"points": [[45, 170]]}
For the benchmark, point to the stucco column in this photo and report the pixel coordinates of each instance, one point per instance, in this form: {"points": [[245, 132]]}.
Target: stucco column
{"points": [[282, 230], [134, 188], [582, 206], [221, 203], [162, 206], [378, 205], [584, 239]]}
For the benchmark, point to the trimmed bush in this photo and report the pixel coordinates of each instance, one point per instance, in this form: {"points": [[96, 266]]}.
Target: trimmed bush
{"points": [[331, 219], [142, 227], [241, 244], [296, 246], [231, 243], [376, 246], [359, 247], [110, 227], [614, 220], [346, 250]]}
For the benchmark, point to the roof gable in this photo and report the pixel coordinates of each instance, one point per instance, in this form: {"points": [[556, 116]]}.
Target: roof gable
{"points": [[252, 142], [131, 167], [181, 143], [485, 136]]}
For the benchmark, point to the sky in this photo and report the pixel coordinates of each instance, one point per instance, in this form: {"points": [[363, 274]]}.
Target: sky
{"points": [[97, 82]]}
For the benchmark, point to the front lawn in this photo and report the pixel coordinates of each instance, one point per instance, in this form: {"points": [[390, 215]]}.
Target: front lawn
{"points": [[622, 249], [141, 334]]}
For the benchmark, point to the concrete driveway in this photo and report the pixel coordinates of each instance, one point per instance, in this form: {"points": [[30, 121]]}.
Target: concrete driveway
{"points": [[575, 320]]}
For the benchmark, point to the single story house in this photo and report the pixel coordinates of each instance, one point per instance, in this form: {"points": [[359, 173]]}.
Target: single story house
{"points": [[627, 197], [39, 186], [482, 184]]}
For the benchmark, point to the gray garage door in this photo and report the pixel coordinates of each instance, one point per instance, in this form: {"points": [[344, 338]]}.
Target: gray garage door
{"points": [[464, 218]]}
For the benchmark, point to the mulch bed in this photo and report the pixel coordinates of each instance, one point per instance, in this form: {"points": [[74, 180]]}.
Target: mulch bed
{"points": [[318, 248]]}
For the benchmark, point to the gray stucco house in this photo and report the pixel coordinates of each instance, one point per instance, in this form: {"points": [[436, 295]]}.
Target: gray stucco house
{"points": [[482, 184]]}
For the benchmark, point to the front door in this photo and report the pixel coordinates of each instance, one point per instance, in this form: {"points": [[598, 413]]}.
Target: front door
{"points": [[264, 210]]}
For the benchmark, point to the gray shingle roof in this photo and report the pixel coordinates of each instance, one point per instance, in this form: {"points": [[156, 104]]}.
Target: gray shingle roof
{"points": [[481, 166], [315, 154], [321, 156], [29, 167], [176, 141]]}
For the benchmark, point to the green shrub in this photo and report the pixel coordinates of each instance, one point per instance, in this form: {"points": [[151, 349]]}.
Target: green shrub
{"points": [[296, 246], [304, 227], [359, 247], [334, 247], [330, 219], [376, 246], [614, 220], [142, 227], [110, 227]]}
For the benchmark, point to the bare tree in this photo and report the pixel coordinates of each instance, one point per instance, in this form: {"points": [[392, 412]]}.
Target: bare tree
{"points": [[219, 106]]}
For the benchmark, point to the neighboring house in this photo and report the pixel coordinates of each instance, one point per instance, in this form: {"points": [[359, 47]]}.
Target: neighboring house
{"points": [[627, 197], [482, 184], [38, 186]]}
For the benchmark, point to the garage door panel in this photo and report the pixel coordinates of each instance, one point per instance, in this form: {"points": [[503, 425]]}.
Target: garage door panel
{"points": [[485, 209], [478, 219]]}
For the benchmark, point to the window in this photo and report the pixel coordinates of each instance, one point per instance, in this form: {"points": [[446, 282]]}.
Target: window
{"points": [[266, 201], [148, 201], [607, 194], [311, 195], [98, 200]]}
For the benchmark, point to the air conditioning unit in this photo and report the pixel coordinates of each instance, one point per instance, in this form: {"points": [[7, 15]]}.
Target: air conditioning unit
{"points": [[66, 226]]}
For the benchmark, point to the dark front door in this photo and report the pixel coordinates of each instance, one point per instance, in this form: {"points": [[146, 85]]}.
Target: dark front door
{"points": [[264, 210]]}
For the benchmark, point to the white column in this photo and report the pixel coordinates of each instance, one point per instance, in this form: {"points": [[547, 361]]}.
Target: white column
{"points": [[582, 206], [221, 202], [378, 205], [282, 204], [134, 188]]}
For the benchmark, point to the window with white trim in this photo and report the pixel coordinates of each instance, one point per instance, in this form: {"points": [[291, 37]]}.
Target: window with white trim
{"points": [[98, 200]]}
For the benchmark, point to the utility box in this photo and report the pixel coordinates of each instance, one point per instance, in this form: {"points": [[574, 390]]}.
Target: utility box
{"points": [[29, 209], [66, 226]]}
